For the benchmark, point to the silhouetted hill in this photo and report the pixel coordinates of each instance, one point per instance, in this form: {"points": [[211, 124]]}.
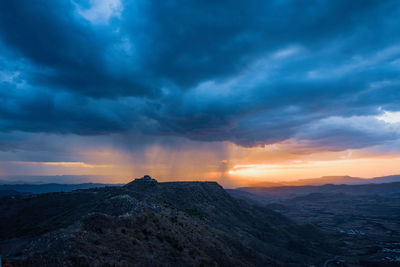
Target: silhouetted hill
{"points": [[385, 179], [50, 179], [345, 180], [47, 188], [10, 193], [290, 191], [152, 224], [330, 180]]}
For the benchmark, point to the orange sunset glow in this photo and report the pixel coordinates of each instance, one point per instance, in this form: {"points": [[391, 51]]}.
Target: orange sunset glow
{"points": [[235, 166]]}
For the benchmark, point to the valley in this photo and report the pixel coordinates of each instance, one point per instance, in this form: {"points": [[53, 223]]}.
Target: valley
{"points": [[364, 219]]}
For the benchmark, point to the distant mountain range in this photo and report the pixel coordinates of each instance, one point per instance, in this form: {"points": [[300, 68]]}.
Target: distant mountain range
{"points": [[332, 180], [18, 187], [53, 179], [14, 189], [272, 193]]}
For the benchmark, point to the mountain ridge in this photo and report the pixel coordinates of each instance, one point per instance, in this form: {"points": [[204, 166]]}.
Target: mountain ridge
{"points": [[330, 180], [170, 224]]}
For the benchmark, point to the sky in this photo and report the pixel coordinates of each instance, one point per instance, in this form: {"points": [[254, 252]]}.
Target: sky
{"points": [[233, 91]]}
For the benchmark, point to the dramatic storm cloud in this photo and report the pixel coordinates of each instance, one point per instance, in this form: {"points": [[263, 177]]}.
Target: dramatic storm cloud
{"points": [[320, 74]]}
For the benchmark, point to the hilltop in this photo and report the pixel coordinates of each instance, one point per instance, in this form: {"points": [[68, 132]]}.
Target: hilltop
{"points": [[150, 223]]}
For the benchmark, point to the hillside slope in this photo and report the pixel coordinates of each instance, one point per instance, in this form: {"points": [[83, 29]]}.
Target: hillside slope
{"points": [[149, 223]]}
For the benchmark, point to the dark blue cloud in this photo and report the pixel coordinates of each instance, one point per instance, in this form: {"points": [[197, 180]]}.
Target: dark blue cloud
{"points": [[67, 52], [249, 72], [187, 42]]}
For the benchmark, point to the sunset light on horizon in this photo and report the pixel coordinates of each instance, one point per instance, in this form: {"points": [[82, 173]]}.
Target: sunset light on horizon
{"points": [[235, 166], [120, 89]]}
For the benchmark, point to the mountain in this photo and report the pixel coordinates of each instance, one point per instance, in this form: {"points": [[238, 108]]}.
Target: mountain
{"points": [[50, 179], [147, 223], [331, 180], [265, 184], [10, 193], [385, 179], [328, 180], [271, 194], [39, 187], [47, 188]]}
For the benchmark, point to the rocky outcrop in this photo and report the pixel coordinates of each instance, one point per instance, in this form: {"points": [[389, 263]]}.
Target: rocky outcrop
{"points": [[142, 184]]}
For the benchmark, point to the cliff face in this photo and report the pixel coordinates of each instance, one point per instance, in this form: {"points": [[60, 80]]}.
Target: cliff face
{"points": [[151, 223]]}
